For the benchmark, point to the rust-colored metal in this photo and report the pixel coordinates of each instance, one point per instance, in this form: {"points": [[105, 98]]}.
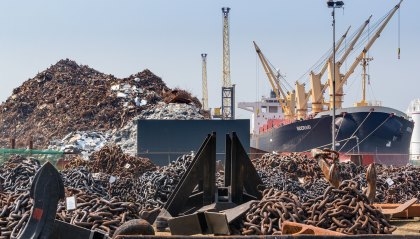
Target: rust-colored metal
{"points": [[134, 227], [405, 210], [12, 143], [299, 229], [371, 181], [330, 171], [277, 237], [31, 143]]}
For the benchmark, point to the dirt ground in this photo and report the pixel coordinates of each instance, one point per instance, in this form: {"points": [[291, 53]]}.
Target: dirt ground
{"points": [[404, 227], [407, 226]]}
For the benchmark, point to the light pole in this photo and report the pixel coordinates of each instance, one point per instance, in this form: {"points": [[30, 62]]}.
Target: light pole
{"points": [[333, 4]]}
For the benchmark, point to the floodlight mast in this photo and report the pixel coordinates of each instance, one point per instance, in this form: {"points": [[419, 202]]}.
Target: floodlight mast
{"points": [[333, 4]]}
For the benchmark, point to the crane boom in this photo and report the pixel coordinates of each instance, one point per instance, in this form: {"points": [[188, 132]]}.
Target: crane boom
{"points": [[302, 98], [338, 64], [226, 48], [228, 93], [337, 46], [367, 47], [286, 101], [351, 47]]}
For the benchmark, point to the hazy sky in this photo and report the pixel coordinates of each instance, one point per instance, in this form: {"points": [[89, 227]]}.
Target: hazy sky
{"points": [[167, 37]]}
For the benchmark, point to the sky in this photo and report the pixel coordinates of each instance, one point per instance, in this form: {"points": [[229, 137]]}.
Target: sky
{"points": [[168, 37]]}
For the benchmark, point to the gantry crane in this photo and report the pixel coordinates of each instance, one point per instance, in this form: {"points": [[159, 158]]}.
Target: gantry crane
{"points": [[205, 100]]}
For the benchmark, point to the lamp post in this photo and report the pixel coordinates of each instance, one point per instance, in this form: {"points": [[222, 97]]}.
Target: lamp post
{"points": [[334, 4]]}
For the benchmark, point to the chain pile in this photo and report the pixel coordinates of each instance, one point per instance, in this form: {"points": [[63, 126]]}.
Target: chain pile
{"points": [[15, 212], [158, 185], [346, 210], [397, 184], [80, 178], [302, 176], [109, 189], [110, 159], [266, 216], [93, 212], [297, 192], [17, 173]]}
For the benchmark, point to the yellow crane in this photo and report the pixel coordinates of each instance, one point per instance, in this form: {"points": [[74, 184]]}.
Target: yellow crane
{"points": [[287, 101], [302, 97], [339, 63], [343, 78], [318, 89]]}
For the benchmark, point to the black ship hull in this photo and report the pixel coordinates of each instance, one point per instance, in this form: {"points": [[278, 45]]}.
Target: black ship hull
{"points": [[359, 130]]}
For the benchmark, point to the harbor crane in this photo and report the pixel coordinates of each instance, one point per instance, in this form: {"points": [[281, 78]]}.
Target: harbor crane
{"points": [[343, 78], [302, 98], [286, 101], [318, 89], [228, 90]]}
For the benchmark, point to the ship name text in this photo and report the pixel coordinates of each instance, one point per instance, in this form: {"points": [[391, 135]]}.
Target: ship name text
{"points": [[303, 127]]}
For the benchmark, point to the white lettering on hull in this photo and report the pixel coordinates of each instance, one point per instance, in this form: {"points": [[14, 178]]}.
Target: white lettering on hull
{"points": [[303, 127]]}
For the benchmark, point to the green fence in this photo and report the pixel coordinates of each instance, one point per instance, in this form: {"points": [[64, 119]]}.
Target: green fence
{"points": [[42, 155]]}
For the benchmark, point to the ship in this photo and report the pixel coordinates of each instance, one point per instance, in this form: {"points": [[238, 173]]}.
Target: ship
{"points": [[364, 133]]}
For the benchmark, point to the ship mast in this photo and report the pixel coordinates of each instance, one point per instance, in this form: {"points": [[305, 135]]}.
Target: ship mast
{"points": [[364, 64]]}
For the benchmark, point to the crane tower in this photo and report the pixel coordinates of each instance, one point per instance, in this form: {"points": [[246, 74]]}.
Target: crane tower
{"points": [[204, 82], [227, 89]]}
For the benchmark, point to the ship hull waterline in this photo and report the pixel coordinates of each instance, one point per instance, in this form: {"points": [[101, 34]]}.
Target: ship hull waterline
{"points": [[385, 136]]}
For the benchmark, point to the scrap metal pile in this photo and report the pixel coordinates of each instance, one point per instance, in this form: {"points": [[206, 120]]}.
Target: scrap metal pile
{"points": [[68, 97], [108, 193]]}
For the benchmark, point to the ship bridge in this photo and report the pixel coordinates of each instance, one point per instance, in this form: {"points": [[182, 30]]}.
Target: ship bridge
{"points": [[262, 111]]}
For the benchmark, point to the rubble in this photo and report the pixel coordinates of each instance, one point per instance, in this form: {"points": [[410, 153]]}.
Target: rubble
{"points": [[87, 142], [68, 98], [171, 111], [180, 96]]}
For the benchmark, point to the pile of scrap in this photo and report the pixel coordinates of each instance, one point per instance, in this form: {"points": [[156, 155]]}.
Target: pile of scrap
{"points": [[180, 96], [68, 97], [110, 159]]}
